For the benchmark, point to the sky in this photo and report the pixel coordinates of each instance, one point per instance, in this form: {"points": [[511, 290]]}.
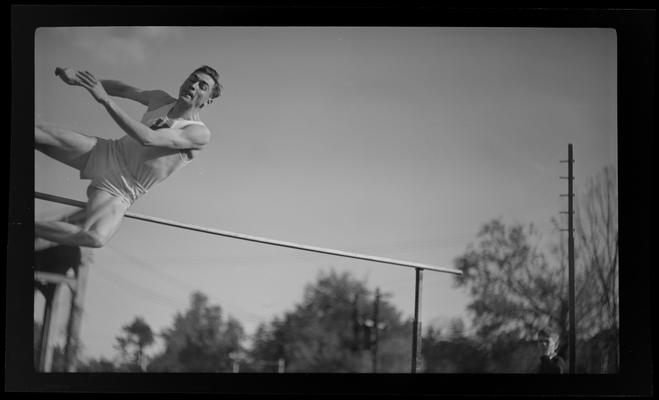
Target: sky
{"points": [[399, 142]]}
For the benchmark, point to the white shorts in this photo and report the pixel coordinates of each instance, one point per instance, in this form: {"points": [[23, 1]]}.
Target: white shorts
{"points": [[106, 167]]}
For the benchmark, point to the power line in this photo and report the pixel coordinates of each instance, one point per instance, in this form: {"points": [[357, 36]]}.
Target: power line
{"points": [[180, 283], [127, 284], [174, 281]]}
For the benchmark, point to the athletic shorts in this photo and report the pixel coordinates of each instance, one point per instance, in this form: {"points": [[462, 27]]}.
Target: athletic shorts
{"points": [[106, 167]]}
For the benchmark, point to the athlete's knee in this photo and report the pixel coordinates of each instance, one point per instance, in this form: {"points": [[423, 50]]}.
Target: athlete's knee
{"points": [[40, 136], [93, 238], [44, 136], [43, 129]]}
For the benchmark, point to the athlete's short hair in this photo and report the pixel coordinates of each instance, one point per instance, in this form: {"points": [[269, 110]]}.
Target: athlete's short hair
{"points": [[217, 89]]}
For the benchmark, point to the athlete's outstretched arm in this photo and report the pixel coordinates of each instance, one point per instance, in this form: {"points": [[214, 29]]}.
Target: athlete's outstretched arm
{"points": [[190, 137], [118, 89], [145, 97]]}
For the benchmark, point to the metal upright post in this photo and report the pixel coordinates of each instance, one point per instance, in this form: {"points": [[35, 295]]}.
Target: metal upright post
{"points": [[51, 266], [77, 306], [46, 291], [375, 330], [51, 312], [416, 329]]}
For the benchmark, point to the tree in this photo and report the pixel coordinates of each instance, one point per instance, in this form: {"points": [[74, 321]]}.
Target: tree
{"points": [[97, 365], [596, 224], [199, 340], [596, 263], [516, 289], [325, 331], [453, 352], [136, 337], [596, 267]]}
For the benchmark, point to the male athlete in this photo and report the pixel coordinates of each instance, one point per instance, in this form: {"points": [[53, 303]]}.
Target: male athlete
{"points": [[169, 136]]}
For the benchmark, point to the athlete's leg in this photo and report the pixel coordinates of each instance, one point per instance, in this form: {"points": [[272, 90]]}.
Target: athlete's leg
{"points": [[104, 213], [75, 218], [67, 146], [43, 244]]}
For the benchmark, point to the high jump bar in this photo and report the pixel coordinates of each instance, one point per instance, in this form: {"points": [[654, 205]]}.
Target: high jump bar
{"points": [[273, 242]]}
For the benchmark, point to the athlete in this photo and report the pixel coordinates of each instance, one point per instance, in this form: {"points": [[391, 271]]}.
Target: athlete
{"points": [[168, 137]]}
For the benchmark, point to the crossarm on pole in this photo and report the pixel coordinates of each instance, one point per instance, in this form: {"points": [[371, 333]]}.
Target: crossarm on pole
{"points": [[162, 221]]}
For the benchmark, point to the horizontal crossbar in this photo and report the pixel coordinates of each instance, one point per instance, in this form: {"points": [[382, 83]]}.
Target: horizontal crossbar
{"points": [[297, 246]]}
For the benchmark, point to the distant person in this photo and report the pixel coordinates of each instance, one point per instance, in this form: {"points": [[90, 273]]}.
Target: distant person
{"points": [[168, 137], [550, 362]]}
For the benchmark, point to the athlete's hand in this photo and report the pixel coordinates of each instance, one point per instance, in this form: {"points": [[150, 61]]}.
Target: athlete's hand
{"points": [[68, 75], [93, 85]]}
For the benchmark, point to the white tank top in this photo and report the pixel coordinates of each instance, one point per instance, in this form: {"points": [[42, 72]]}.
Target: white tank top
{"points": [[147, 164]]}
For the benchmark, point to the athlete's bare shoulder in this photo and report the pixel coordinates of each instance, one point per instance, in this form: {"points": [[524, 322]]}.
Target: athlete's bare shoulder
{"points": [[158, 98]]}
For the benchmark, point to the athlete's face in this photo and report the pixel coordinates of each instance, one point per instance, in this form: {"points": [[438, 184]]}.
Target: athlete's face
{"points": [[197, 89]]}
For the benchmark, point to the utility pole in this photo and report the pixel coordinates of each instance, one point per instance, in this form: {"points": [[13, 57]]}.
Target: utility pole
{"points": [[570, 256]]}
